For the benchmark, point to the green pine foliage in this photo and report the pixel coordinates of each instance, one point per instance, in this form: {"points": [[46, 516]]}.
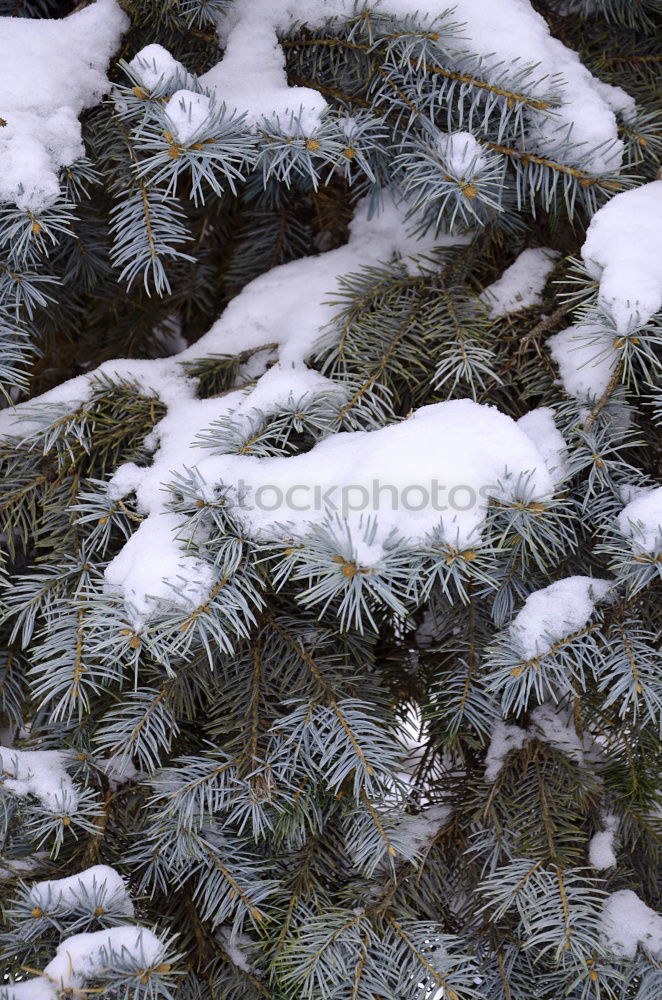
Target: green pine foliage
{"points": [[247, 762]]}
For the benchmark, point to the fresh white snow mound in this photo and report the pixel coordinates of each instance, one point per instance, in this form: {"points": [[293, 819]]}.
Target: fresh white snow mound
{"points": [[187, 113], [601, 852], [641, 519], [556, 611], [627, 923], [461, 153], [464, 446], [586, 358], [540, 426], [550, 723], [62, 893], [41, 773], [155, 67], [439, 465], [251, 76], [521, 285], [85, 955], [623, 250], [504, 739], [50, 70]]}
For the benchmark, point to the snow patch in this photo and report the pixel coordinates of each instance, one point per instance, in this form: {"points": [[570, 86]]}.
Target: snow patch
{"points": [[554, 612], [521, 285], [236, 947], [41, 773], [540, 427], [187, 113], [555, 725], [251, 76], [504, 739], [586, 357], [50, 70], [463, 156], [623, 250], [628, 923], [601, 852], [641, 520], [552, 724], [63, 894], [417, 832], [82, 956], [155, 67]]}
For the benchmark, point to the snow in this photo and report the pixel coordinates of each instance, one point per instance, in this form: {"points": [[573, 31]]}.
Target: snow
{"points": [[601, 853], [50, 70], [623, 250], [540, 427], [187, 113], [288, 305], [601, 850], [413, 731], [556, 611], [586, 358], [236, 946], [159, 377], [417, 832], [521, 285], [41, 773], [555, 724], [155, 67], [22, 866], [83, 955], [459, 447], [550, 723], [504, 739], [119, 770], [462, 155], [151, 563], [30, 989], [63, 894], [251, 78], [64, 72], [628, 923], [641, 520], [459, 444]]}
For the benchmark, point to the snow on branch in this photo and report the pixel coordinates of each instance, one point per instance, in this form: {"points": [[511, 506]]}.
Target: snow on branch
{"points": [[99, 885], [251, 78], [559, 610], [641, 520], [280, 315], [41, 773], [616, 333], [521, 285], [121, 954], [623, 251], [129, 955], [50, 70], [628, 924], [208, 447]]}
